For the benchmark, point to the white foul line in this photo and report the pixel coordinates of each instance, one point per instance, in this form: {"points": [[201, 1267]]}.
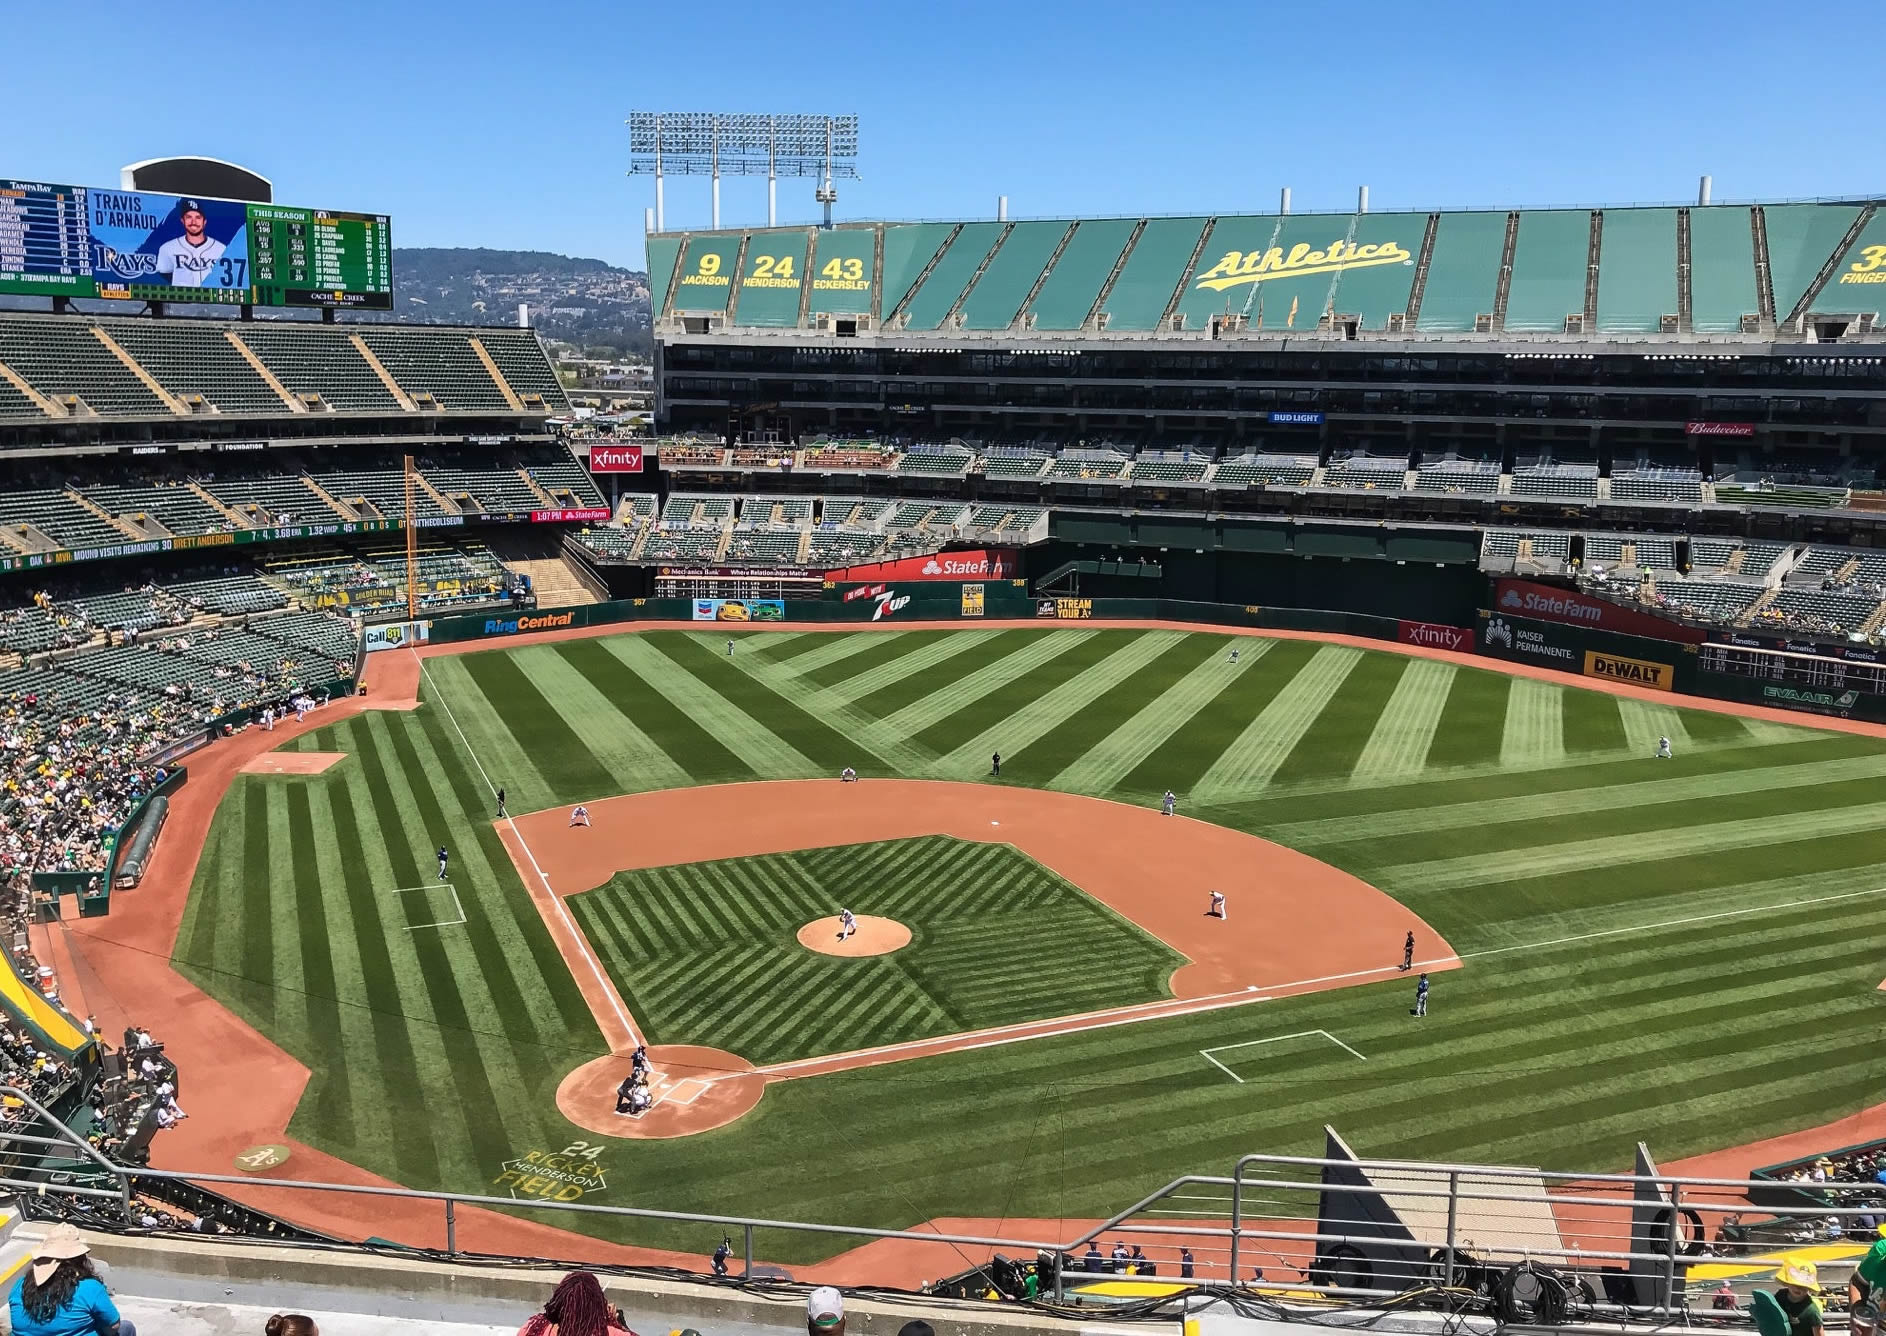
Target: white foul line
{"points": [[1206, 1053], [563, 911]]}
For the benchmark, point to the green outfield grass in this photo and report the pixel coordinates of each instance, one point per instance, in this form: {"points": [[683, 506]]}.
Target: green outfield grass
{"points": [[1682, 951], [707, 953]]}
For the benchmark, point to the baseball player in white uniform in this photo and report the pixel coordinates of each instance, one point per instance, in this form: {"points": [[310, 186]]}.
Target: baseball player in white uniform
{"points": [[579, 816], [1663, 750], [847, 924], [188, 259], [1168, 803], [1217, 909]]}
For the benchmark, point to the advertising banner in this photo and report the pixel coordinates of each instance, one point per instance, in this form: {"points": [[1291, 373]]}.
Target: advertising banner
{"points": [[1296, 419], [1638, 672], [1718, 428], [972, 600], [615, 459], [529, 621], [1065, 609], [1846, 653], [857, 592], [584, 515], [397, 635], [738, 573], [1550, 603], [739, 609], [996, 564], [1435, 636], [1589, 653]]}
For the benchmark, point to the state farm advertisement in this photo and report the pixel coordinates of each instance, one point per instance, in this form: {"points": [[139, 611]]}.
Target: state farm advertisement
{"points": [[978, 564], [584, 515], [1435, 635], [615, 459], [1549, 603]]}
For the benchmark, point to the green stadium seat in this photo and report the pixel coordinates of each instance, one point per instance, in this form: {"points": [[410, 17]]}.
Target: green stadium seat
{"points": [[1722, 269], [1154, 268], [995, 302], [1463, 274], [1636, 271], [1549, 263], [930, 303], [1073, 285]]}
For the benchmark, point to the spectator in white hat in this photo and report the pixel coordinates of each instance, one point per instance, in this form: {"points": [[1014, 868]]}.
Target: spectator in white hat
{"points": [[825, 1312]]}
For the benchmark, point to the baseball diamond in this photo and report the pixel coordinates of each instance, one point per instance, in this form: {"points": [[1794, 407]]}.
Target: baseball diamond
{"points": [[1591, 901]]}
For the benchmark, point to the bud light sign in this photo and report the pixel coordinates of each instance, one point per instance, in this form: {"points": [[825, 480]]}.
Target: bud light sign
{"points": [[1296, 419]]}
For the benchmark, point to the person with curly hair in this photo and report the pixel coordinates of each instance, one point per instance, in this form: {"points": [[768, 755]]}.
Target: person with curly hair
{"points": [[291, 1324], [577, 1307], [60, 1294]]}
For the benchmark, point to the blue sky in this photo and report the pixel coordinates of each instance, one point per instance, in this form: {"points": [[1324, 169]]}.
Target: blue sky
{"points": [[482, 123]]}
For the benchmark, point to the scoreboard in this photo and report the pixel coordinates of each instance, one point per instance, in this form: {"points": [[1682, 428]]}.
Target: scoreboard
{"points": [[90, 241]]}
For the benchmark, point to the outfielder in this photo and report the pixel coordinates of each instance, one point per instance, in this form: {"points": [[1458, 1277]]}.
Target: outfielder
{"points": [[444, 858], [1234, 656], [1217, 909], [1421, 997], [579, 816], [1663, 749]]}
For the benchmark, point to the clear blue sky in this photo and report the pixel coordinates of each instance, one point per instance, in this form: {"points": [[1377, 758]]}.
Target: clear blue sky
{"points": [[474, 122]]}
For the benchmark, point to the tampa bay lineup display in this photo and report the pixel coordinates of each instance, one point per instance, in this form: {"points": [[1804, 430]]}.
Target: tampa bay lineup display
{"points": [[90, 241]]}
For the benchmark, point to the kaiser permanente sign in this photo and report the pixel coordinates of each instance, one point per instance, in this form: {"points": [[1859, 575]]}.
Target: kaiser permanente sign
{"points": [[1547, 603]]}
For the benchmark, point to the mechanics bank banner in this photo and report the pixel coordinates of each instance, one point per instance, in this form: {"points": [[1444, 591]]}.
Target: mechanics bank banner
{"points": [[1549, 603]]}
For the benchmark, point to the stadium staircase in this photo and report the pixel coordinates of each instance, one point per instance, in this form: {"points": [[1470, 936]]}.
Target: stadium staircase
{"points": [[345, 512], [1106, 289], [202, 493], [149, 381], [953, 318], [1748, 613], [491, 367], [1872, 624], [257, 365], [556, 581], [1604, 489], [84, 502], [439, 498], [1191, 267], [897, 313], [33, 396], [379, 369]]}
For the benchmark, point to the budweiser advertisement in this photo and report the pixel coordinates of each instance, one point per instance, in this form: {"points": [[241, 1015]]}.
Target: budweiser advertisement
{"points": [[582, 515], [975, 565], [615, 459], [1548, 603], [1719, 428], [1435, 636]]}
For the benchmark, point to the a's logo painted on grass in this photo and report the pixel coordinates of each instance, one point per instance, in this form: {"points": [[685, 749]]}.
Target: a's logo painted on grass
{"points": [[564, 1175]]}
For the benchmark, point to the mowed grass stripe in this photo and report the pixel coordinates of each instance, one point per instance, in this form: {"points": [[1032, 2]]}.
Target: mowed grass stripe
{"points": [[824, 746], [1589, 722], [1473, 722], [704, 757], [542, 734], [330, 1094], [1107, 763], [1397, 746], [1534, 735], [826, 706], [1054, 750], [1646, 721], [1253, 758], [765, 752], [862, 652], [918, 657], [1333, 743], [961, 660], [448, 688], [631, 757], [1066, 682], [1637, 847], [1189, 751], [949, 696]]}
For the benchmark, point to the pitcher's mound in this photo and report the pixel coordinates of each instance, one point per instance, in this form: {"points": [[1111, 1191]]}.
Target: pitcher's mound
{"points": [[875, 937], [292, 763]]}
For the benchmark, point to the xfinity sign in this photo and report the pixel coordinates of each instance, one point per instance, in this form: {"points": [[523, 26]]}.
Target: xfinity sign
{"points": [[615, 459]]}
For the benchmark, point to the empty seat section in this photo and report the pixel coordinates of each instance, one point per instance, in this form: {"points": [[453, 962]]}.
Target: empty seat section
{"points": [[438, 363], [1070, 290], [842, 263], [1277, 470], [59, 517], [320, 361], [1379, 267], [609, 543], [1367, 474], [996, 300], [931, 302], [60, 357], [189, 357], [1224, 279], [1463, 272], [662, 254], [13, 404], [1549, 262], [384, 490], [1722, 269], [501, 491], [1013, 462], [1801, 237], [1168, 468], [1453, 475], [172, 505], [771, 280], [1636, 270], [908, 248], [705, 279], [1573, 482], [283, 500], [562, 476], [525, 365], [1153, 270]]}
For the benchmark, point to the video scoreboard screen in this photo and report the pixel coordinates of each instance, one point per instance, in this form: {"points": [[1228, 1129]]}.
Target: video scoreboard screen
{"points": [[88, 241]]}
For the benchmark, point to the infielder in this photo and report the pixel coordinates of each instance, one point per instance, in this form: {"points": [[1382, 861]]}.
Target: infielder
{"points": [[1217, 909], [1167, 803], [444, 858], [847, 776], [1663, 749], [579, 816]]}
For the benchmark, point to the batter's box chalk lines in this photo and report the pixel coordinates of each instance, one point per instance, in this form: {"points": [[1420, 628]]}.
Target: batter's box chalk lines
{"points": [[1206, 1053]]}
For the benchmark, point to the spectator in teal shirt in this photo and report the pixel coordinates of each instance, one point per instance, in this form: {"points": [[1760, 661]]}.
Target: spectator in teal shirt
{"points": [[60, 1296]]}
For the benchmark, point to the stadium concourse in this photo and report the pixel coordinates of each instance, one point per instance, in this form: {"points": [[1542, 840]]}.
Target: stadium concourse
{"points": [[248, 1090]]}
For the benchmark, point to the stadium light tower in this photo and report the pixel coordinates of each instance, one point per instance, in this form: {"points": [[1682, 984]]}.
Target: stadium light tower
{"points": [[708, 143]]}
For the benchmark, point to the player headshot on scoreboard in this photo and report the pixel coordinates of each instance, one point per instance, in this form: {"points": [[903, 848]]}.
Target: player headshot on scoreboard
{"points": [[187, 260]]}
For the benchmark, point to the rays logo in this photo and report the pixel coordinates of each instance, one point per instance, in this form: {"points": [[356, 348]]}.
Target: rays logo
{"points": [[887, 603], [1500, 632], [125, 264]]}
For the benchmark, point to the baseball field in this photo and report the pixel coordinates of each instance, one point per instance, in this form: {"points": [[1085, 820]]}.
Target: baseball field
{"points": [[1682, 950]]}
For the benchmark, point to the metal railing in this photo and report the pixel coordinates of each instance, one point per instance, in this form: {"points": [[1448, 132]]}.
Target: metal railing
{"points": [[1297, 1230]]}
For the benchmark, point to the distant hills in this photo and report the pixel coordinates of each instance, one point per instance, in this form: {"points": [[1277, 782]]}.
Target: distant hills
{"points": [[580, 301]]}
